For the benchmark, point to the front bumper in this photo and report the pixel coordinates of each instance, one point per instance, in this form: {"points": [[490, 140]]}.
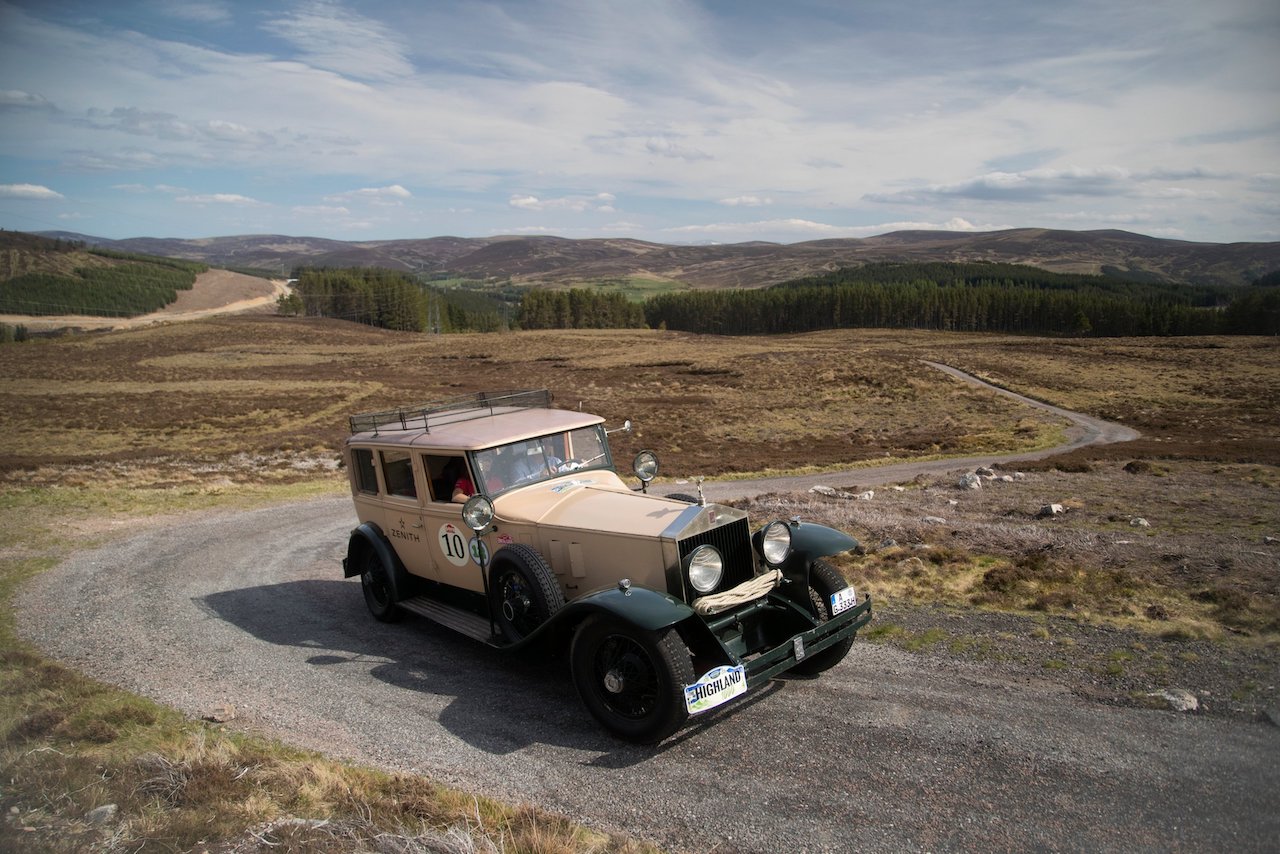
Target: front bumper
{"points": [[766, 636]]}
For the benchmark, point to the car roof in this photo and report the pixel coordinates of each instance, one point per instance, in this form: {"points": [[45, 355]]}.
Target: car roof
{"points": [[471, 430]]}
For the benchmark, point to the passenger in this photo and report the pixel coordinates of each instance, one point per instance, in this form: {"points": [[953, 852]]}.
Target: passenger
{"points": [[463, 489]]}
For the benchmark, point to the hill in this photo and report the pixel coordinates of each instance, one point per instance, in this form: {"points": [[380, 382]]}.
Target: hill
{"points": [[558, 260]]}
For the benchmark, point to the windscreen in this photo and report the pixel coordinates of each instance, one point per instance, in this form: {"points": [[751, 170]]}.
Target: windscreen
{"points": [[535, 460]]}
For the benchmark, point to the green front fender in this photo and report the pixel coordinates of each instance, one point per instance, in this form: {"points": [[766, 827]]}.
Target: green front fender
{"points": [[646, 609], [810, 541], [642, 607]]}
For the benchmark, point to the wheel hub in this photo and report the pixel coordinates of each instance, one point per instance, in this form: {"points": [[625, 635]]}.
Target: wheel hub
{"points": [[513, 606], [614, 683]]}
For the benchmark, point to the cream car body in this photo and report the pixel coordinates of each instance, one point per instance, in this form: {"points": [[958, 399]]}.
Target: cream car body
{"points": [[552, 545]]}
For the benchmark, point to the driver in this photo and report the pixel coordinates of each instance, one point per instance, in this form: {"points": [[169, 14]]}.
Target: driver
{"points": [[525, 466]]}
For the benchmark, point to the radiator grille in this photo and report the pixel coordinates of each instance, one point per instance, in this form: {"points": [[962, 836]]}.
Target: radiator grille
{"points": [[734, 542]]}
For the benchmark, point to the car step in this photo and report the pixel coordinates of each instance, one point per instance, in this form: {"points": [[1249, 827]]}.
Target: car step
{"points": [[468, 623]]}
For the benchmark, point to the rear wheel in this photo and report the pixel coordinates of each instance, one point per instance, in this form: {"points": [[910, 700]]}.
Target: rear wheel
{"points": [[377, 589], [824, 579], [632, 680], [523, 591]]}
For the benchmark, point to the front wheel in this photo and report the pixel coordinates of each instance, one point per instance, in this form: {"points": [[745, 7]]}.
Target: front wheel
{"points": [[824, 579], [631, 680], [523, 591]]}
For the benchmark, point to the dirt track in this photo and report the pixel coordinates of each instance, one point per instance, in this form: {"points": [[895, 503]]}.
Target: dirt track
{"points": [[1083, 430], [215, 292]]}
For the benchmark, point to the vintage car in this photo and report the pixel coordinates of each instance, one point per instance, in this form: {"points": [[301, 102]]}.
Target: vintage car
{"points": [[505, 519]]}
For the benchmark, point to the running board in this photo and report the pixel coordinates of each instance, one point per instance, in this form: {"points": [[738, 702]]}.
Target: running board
{"points": [[465, 622]]}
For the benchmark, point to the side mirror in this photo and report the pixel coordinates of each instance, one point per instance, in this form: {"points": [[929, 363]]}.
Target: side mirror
{"points": [[625, 428]]}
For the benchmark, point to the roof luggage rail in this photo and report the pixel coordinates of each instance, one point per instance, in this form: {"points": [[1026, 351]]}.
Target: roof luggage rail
{"points": [[421, 417]]}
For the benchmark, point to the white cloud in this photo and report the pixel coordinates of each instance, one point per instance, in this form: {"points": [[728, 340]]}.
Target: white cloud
{"points": [[336, 39], [747, 201], [143, 188], [193, 10], [320, 210], [600, 203], [18, 98], [221, 199], [28, 191], [802, 227], [391, 192]]}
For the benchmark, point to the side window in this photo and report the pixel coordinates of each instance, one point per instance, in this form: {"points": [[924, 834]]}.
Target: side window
{"points": [[446, 474], [397, 471], [366, 478]]}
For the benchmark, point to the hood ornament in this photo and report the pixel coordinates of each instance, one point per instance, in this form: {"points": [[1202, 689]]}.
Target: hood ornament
{"points": [[702, 499]]}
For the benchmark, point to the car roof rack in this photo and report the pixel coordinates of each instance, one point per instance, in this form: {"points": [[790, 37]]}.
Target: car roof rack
{"points": [[483, 404]]}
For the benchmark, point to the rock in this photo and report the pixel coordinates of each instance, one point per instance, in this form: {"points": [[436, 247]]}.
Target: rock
{"points": [[832, 492], [888, 543], [898, 488], [1049, 510], [101, 815], [866, 496], [1017, 475], [951, 502], [221, 713], [983, 471], [1179, 699], [1006, 478], [1269, 541], [1273, 715], [970, 481], [1157, 612], [934, 520], [911, 566], [1139, 522]]}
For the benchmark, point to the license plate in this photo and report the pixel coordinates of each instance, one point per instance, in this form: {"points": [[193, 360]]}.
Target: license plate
{"points": [[716, 687], [843, 600]]}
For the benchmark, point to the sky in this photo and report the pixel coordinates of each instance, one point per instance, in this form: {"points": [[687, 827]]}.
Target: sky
{"points": [[714, 121]]}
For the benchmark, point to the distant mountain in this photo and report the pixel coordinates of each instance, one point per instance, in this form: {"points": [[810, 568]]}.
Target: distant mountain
{"points": [[558, 260]]}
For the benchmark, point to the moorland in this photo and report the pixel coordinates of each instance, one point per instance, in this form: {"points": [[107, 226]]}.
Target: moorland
{"points": [[106, 432]]}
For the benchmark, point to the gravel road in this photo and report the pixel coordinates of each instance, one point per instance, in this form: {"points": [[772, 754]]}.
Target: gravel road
{"points": [[888, 750]]}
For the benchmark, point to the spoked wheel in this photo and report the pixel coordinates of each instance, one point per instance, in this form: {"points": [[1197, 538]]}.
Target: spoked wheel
{"points": [[377, 592], [523, 591], [631, 680], [824, 579]]}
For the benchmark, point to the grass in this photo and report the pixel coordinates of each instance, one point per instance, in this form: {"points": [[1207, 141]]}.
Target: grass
{"points": [[110, 431]]}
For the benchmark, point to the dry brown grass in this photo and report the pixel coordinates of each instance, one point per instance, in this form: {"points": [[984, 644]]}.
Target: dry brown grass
{"points": [[710, 405], [107, 429]]}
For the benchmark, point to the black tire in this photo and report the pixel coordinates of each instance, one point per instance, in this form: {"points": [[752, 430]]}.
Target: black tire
{"points": [[631, 680], [680, 496], [523, 591], [824, 579], [377, 589]]}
